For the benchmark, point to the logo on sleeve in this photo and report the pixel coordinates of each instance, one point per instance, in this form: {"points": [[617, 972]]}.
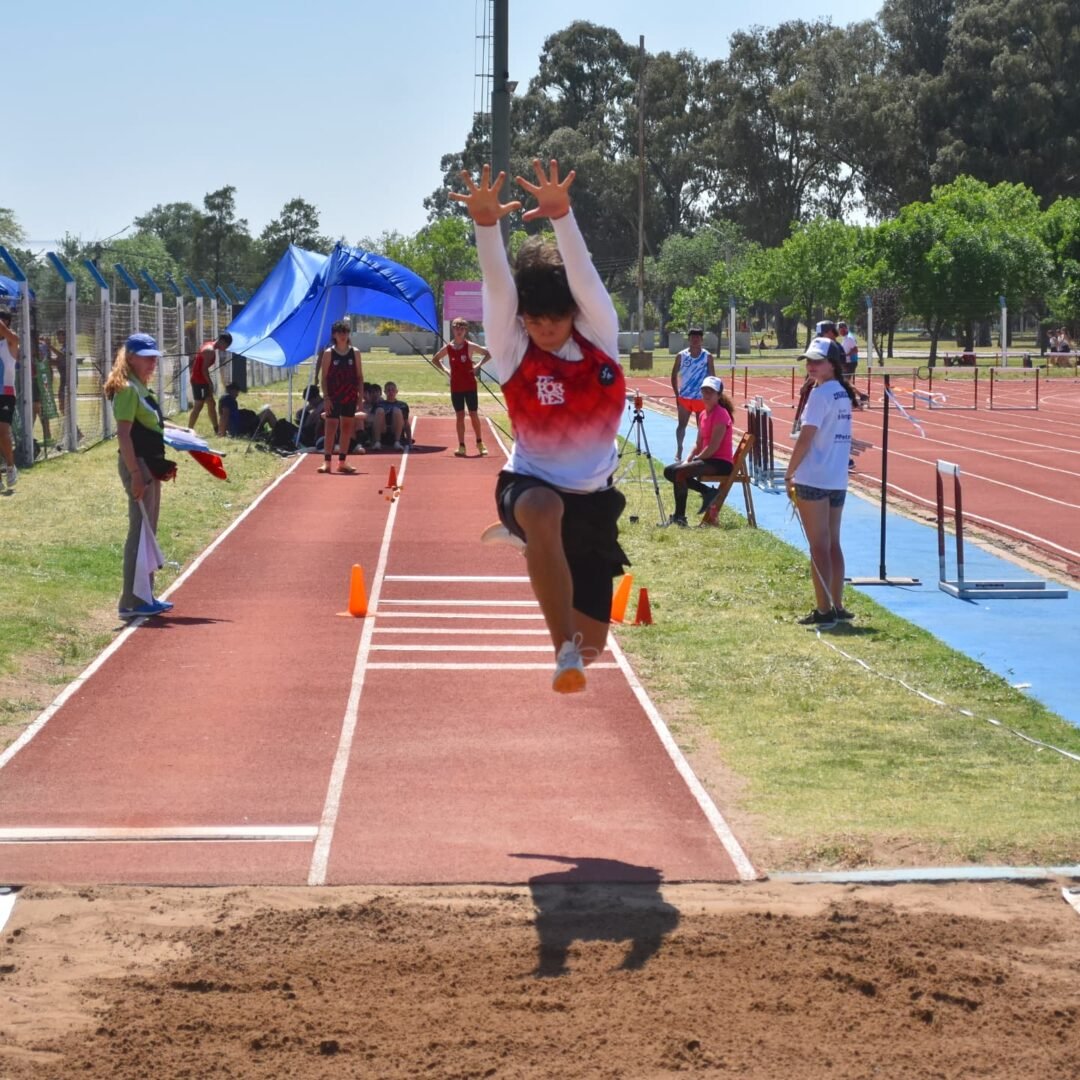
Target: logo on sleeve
{"points": [[607, 375]]}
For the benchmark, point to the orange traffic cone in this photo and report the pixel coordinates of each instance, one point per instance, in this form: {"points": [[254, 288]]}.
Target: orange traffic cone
{"points": [[621, 598], [644, 612], [357, 593], [391, 480]]}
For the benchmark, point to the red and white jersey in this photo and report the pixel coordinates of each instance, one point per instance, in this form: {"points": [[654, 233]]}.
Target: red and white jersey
{"points": [[565, 407], [566, 415], [462, 374]]}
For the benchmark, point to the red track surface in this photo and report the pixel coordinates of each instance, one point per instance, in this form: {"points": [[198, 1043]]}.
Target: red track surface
{"points": [[1020, 468], [422, 744]]}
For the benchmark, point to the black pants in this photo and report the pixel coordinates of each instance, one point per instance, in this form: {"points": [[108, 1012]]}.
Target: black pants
{"points": [[684, 477]]}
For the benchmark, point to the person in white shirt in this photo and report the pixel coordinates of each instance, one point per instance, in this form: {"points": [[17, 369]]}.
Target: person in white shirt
{"points": [[817, 478], [850, 346], [554, 340]]}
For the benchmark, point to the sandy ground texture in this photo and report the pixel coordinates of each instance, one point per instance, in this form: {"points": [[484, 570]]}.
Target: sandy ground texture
{"points": [[761, 980]]}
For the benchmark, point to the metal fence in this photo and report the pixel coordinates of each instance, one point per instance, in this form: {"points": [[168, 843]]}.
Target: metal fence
{"points": [[71, 345]]}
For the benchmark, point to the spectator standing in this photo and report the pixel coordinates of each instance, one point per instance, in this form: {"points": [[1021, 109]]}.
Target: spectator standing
{"points": [[712, 454], [140, 436], [202, 383], [554, 339], [9, 355], [459, 353], [691, 366], [816, 476], [850, 346], [342, 377]]}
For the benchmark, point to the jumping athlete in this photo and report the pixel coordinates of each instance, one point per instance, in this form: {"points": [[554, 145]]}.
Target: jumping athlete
{"points": [[459, 353], [554, 338], [342, 377]]}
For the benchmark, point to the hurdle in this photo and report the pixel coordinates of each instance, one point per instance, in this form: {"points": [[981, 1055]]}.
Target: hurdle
{"points": [[759, 423], [977, 590], [1013, 377]]}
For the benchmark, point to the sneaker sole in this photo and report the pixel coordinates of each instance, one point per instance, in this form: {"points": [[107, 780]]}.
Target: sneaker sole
{"points": [[570, 681]]}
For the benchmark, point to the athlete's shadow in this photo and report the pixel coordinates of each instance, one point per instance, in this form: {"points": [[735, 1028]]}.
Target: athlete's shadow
{"points": [[598, 900]]}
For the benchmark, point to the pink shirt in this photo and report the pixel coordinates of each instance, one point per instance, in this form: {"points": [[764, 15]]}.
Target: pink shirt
{"points": [[707, 420]]}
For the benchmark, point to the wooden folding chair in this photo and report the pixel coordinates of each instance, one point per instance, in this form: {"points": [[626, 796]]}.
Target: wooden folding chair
{"points": [[738, 475]]}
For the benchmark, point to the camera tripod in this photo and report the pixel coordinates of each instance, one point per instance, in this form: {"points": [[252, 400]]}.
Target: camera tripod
{"points": [[639, 439]]}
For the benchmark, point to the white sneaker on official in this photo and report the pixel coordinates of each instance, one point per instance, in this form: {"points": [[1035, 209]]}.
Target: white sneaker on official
{"points": [[500, 534], [569, 677], [12, 475]]}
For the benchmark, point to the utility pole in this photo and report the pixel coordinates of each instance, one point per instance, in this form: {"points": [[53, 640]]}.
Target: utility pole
{"points": [[500, 100], [641, 197]]}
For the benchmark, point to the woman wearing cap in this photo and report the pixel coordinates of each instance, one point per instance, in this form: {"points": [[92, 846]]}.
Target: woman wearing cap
{"points": [[140, 433], [712, 454], [817, 478]]}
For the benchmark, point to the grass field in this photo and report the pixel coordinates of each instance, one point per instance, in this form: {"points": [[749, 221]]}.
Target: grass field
{"points": [[817, 761]]}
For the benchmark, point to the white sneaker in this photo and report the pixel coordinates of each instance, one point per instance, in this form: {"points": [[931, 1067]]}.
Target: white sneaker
{"points": [[12, 475], [500, 534], [398, 447], [569, 677]]}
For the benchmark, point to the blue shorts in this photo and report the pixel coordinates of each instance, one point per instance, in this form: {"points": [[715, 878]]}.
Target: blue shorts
{"points": [[806, 493]]}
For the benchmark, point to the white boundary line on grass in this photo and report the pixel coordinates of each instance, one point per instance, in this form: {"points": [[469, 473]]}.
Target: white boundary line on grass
{"points": [[719, 826], [44, 717]]}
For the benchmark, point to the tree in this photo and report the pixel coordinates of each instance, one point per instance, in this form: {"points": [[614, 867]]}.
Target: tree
{"points": [[806, 272], [1060, 231], [1009, 97], [175, 224], [222, 246], [10, 231], [298, 223], [956, 254]]}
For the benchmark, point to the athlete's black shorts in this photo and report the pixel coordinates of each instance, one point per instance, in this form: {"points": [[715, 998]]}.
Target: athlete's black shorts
{"points": [[338, 409], [7, 408], [201, 391], [590, 536], [464, 399]]}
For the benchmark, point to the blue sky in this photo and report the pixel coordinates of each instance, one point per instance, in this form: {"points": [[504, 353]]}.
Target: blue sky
{"points": [[114, 107]]}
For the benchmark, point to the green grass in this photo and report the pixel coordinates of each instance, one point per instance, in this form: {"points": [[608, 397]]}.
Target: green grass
{"points": [[837, 763], [826, 763]]}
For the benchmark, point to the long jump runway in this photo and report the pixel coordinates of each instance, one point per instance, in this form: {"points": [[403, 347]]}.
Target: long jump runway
{"points": [[422, 744]]}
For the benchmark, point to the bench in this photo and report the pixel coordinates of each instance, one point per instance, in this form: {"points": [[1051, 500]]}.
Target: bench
{"points": [[738, 475]]}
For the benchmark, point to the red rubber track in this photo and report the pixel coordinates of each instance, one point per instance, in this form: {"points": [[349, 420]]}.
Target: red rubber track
{"points": [[1020, 467], [389, 766]]}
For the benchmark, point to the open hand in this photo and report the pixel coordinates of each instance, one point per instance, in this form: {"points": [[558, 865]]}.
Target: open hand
{"points": [[482, 201], [553, 197]]}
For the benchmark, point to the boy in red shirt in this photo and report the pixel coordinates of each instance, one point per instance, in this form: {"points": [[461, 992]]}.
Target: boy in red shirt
{"points": [[459, 353]]}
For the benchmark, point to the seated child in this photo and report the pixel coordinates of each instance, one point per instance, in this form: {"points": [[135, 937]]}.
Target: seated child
{"points": [[237, 422], [391, 421]]}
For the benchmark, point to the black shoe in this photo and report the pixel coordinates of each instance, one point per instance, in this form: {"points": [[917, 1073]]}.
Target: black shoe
{"points": [[678, 519], [823, 620], [843, 614], [708, 500]]}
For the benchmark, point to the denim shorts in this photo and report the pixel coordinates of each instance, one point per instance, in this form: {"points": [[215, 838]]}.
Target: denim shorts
{"points": [[806, 493]]}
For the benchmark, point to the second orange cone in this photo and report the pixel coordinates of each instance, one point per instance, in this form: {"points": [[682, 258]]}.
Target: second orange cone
{"points": [[644, 612], [357, 593]]}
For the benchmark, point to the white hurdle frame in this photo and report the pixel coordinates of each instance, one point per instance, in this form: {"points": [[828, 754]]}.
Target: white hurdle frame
{"points": [[1032, 589]]}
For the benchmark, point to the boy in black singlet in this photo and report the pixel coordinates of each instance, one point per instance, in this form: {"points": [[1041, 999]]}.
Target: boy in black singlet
{"points": [[342, 377]]}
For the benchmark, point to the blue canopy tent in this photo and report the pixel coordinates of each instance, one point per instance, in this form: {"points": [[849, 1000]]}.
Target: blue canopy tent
{"points": [[288, 319], [9, 289]]}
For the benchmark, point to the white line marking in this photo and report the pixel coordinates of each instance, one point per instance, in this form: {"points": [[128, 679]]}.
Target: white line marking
{"points": [[104, 655], [320, 857], [461, 648], [475, 667], [453, 577], [457, 633], [708, 807], [468, 603], [282, 833], [7, 905], [487, 615]]}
